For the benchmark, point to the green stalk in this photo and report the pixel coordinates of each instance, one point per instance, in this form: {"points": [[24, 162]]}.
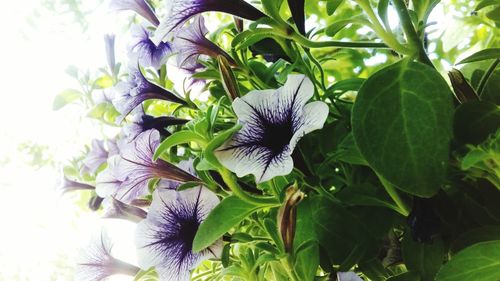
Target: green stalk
{"points": [[340, 44], [404, 209], [231, 182], [387, 37], [410, 32]]}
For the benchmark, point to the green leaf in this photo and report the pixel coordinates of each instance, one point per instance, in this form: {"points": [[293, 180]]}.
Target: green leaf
{"points": [[401, 123], [104, 82], [337, 26], [475, 121], [332, 5], [272, 230], [366, 194], [221, 219], [426, 259], [65, 97], [216, 142], [486, 54], [176, 139], [407, 276], [382, 7], [474, 157], [486, 3], [479, 262], [494, 14]]}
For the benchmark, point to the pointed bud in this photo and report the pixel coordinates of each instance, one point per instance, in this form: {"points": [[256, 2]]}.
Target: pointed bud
{"points": [[228, 79], [462, 89], [287, 216], [238, 23], [95, 203]]}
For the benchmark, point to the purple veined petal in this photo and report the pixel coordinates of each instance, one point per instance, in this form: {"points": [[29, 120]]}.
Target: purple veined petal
{"points": [[179, 11], [141, 122], [185, 165], [96, 263], [164, 239], [139, 6], [273, 122], [109, 44], [148, 53], [190, 43], [68, 185], [96, 156], [136, 90], [108, 182]]}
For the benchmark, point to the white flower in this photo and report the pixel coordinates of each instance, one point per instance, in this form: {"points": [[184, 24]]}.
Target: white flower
{"points": [[165, 238], [273, 122]]}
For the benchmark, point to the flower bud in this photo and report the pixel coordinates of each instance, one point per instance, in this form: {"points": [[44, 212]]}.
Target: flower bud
{"points": [[228, 79], [287, 216], [462, 89]]}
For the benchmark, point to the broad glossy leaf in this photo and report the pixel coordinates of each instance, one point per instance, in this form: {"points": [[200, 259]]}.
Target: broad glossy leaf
{"points": [[486, 54], [479, 262], [401, 123], [473, 236], [221, 219], [475, 121], [175, 139]]}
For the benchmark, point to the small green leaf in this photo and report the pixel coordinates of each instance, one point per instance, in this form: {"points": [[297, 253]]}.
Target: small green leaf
{"points": [[401, 123], [407, 276], [475, 121], [104, 82], [226, 257], [272, 230], [479, 262], [187, 185], [486, 3], [337, 26], [216, 142], [494, 14], [332, 5], [382, 7], [474, 157], [221, 219], [176, 139], [65, 97], [486, 54]]}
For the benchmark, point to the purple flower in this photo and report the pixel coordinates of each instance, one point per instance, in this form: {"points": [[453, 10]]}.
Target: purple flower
{"points": [[114, 209], [98, 155], [190, 42], [148, 53], [103, 96], [165, 238], [96, 262], [273, 122], [179, 11], [186, 165], [136, 90], [141, 122], [109, 44], [127, 175], [139, 6], [68, 185]]}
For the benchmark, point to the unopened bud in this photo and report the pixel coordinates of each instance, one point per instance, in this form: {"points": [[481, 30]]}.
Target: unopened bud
{"points": [[462, 89], [287, 216], [238, 23], [228, 79], [115, 209]]}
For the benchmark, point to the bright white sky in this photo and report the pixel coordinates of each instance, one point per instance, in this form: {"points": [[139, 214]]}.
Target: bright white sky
{"points": [[41, 231]]}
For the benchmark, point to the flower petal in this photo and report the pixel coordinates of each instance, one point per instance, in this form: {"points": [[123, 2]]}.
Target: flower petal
{"points": [[314, 116]]}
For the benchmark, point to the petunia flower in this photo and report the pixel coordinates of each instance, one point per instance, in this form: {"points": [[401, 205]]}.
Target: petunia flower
{"points": [[128, 95], [148, 53], [165, 238], [114, 209], [98, 155], [179, 11], [127, 175], [185, 165], [68, 185], [139, 6], [273, 121], [190, 42], [141, 122], [96, 262], [348, 276]]}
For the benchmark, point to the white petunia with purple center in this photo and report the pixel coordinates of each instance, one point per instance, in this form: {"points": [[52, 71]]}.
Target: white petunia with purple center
{"points": [[165, 238], [273, 122]]}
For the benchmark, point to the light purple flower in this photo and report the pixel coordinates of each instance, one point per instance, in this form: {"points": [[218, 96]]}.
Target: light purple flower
{"points": [[141, 122], [114, 209], [130, 94], [68, 185], [185, 165], [179, 11], [127, 175], [109, 44], [98, 155], [165, 238], [348, 276], [148, 53], [139, 6], [190, 42], [273, 122], [96, 262], [103, 96]]}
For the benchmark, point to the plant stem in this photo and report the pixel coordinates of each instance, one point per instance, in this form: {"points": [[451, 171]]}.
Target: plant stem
{"points": [[231, 182], [341, 44], [410, 32], [387, 37], [486, 76], [393, 193]]}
